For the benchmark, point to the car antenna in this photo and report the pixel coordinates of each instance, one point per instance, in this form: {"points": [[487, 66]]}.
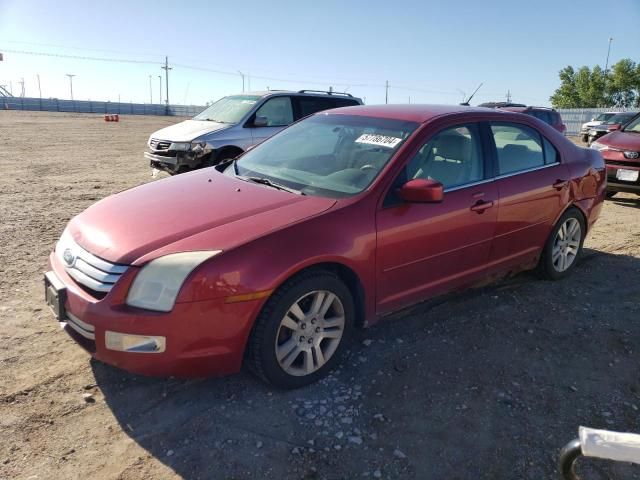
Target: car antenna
{"points": [[466, 104]]}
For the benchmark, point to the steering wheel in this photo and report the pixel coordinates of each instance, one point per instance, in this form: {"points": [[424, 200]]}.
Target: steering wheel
{"points": [[366, 167]]}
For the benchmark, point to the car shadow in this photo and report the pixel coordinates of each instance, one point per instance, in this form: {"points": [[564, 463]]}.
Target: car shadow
{"points": [[488, 383], [627, 201]]}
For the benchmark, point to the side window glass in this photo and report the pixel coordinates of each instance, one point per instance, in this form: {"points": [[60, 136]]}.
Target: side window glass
{"points": [[277, 111], [453, 157], [550, 153], [518, 147], [311, 105]]}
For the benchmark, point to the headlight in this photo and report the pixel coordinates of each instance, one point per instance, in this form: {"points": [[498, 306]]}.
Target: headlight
{"points": [[599, 146], [198, 147], [157, 285], [180, 146]]}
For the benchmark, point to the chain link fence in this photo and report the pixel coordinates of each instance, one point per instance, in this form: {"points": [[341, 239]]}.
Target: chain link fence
{"points": [[573, 118], [89, 106]]}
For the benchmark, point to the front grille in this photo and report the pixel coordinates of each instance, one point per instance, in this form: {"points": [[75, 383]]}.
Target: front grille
{"points": [[93, 273], [159, 145], [622, 163]]}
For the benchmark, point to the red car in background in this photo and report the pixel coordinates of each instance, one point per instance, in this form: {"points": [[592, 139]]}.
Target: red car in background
{"points": [[621, 152], [345, 216]]}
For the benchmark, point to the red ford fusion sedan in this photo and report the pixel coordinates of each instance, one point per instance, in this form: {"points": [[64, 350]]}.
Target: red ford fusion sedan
{"points": [[275, 258]]}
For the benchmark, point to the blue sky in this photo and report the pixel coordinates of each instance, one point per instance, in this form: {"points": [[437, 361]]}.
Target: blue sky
{"points": [[429, 51]]}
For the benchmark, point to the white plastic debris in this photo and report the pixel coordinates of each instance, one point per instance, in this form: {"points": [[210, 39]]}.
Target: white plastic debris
{"points": [[621, 447]]}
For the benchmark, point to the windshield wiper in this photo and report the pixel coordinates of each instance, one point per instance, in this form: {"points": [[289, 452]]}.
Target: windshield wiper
{"points": [[269, 183]]}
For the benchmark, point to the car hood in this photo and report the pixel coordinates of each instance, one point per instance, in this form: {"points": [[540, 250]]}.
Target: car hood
{"points": [[188, 130], [622, 140], [202, 210], [590, 124]]}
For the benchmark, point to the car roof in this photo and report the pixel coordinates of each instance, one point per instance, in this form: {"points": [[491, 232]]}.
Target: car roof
{"points": [[410, 113], [527, 109]]}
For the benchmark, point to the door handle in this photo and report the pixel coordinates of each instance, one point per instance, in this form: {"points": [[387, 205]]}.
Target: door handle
{"points": [[560, 184], [481, 206]]}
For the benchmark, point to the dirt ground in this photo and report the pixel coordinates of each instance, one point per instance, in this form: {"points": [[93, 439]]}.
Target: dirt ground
{"points": [[484, 384]]}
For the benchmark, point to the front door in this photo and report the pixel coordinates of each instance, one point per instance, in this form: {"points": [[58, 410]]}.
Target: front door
{"points": [[278, 113], [429, 248]]}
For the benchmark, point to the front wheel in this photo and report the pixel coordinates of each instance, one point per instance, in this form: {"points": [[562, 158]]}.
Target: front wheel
{"points": [[563, 246], [611, 194], [302, 329]]}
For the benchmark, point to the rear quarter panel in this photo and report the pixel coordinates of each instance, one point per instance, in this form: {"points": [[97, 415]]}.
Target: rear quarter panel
{"points": [[588, 182]]}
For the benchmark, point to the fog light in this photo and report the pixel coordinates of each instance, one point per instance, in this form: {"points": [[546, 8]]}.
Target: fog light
{"points": [[124, 342]]}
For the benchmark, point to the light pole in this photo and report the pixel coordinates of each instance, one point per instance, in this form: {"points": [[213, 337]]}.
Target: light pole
{"points": [[70, 83], [150, 91], [606, 65], [242, 75]]}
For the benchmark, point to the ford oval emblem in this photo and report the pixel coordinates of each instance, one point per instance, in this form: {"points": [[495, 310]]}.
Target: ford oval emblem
{"points": [[68, 257]]}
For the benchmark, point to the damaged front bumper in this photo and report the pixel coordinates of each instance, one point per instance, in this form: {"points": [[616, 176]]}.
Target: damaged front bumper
{"points": [[172, 161]]}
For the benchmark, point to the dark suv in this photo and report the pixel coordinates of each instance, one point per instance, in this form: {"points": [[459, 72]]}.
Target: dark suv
{"points": [[547, 115]]}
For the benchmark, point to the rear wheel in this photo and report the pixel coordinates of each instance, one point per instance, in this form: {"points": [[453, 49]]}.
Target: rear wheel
{"points": [[563, 246], [302, 330]]}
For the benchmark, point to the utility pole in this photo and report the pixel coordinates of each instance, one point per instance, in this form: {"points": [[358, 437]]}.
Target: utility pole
{"points": [[150, 91], [386, 92], [39, 89], [508, 96], [70, 83], [166, 69], [160, 89], [242, 75], [249, 81], [21, 82]]}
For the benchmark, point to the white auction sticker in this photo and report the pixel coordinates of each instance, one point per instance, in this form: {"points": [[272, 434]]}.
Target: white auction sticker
{"points": [[380, 140]]}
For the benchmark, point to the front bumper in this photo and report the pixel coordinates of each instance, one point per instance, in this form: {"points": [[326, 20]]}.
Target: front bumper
{"points": [[173, 162], [198, 339], [616, 185]]}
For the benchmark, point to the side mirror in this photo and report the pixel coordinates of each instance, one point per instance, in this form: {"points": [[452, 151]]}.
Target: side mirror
{"points": [[420, 190], [261, 122]]}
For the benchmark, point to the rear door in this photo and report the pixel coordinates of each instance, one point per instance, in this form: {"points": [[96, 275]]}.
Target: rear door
{"points": [[429, 248], [533, 186], [278, 112]]}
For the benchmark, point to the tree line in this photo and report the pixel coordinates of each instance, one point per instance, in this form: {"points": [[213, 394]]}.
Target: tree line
{"points": [[588, 87]]}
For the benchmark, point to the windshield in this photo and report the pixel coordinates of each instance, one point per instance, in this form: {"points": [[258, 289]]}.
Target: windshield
{"points": [[620, 118], [229, 109], [326, 155], [603, 117], [633, 126]]}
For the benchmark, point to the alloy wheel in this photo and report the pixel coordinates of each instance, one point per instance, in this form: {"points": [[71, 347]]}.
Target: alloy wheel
{"points": [[310, 332], [566, 245]]}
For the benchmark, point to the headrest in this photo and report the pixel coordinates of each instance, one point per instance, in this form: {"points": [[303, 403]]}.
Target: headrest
{"points": [[453, 146]]}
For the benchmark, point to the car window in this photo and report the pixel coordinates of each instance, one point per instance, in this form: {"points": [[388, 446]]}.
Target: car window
{"points": [[453, 157], [332, 156], [311, 105], [277, 111], [551, 155], [518, 147]]}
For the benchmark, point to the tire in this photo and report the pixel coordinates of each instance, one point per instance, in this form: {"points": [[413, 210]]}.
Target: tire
{"points": [[585, 138], [570, 248], [284, 343], [611, 194]]}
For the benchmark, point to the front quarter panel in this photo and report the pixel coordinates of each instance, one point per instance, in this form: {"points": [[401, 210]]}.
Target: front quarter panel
{"points": [[263, 264]]}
